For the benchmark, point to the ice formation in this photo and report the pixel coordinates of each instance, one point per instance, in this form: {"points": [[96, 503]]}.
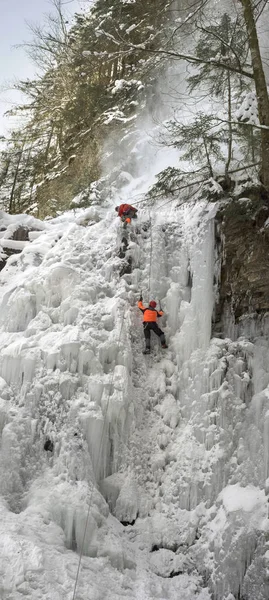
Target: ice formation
{"points": [[159, 470]]}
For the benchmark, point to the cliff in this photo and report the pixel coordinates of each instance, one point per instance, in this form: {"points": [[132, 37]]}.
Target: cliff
{"points": [[242, 244]]}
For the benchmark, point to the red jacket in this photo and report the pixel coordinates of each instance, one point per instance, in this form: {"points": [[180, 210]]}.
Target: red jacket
{"points": [[150, 314], [123, 208]]}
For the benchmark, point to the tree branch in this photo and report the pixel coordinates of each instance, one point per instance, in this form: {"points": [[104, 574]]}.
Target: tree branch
{"points": [[193, 59], [261, 127], [218, 37]]}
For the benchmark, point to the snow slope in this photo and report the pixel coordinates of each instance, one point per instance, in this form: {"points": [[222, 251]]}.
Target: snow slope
{"points": [[156, 484]]}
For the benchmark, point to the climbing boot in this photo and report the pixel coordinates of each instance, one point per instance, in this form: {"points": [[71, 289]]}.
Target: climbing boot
{"points": [[146, 351], [164, 345]]}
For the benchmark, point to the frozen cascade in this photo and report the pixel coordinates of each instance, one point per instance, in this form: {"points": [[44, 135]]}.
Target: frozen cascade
{"points": [[166, 456], [214, 390]]}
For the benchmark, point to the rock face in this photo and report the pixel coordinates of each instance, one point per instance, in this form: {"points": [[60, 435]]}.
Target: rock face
{"points": [[21, 234], [242, 238]]}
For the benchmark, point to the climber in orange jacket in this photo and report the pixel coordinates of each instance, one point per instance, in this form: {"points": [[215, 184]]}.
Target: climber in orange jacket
{"points": [[150, 323], [126, 212]]}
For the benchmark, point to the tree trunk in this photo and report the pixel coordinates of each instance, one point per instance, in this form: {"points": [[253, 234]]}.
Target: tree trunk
{"points": [[123, 64], [230, 129], [49, 142], [208, 159], [11, 208], [4, 171], [115, 69], [59, 135], [261, 88]]}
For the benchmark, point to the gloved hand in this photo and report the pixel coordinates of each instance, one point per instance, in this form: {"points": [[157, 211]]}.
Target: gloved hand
{"points": [[141, 298]]}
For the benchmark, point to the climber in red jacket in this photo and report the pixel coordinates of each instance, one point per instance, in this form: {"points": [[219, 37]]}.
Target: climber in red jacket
{"points": [[126, 212], [150, 323]]}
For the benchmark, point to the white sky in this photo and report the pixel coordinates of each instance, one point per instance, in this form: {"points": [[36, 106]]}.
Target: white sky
{"points": [[14, 62]]}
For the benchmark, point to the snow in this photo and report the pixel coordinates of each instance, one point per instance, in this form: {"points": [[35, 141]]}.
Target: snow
{"points": [[154, 453], [131, 28], [12, 222], [67, 368], [120, 84], [248, 111], [159, 474], [12, 244], [235, 498], [161, 461]]}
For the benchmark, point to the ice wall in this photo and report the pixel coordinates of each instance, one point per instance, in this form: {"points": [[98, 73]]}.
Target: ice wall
{"points": [[159, 469], [65, 366], [210, 406], [161, 461]]}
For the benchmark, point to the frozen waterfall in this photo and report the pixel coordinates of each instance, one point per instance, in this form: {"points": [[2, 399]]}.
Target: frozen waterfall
{"points": [[159, 469]]}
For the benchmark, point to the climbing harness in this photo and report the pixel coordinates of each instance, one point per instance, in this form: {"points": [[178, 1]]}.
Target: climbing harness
{"points": [[97, 464]]}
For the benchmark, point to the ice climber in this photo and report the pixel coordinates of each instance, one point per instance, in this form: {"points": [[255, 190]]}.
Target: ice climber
{"points": [[150, 323], [126, 212]]}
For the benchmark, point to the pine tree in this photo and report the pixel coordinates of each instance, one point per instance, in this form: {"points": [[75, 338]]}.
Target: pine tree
{"points": [[226, 42], [199, 142]]}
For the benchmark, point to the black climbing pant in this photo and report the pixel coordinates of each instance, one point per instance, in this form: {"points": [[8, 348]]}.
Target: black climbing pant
{"points": [[148, 327]]}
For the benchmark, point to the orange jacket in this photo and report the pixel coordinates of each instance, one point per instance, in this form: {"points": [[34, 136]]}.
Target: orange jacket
{"points": [[150, 314]]}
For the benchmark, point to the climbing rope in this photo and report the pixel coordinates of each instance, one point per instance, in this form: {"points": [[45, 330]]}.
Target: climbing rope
{"points": [[97, 465]]}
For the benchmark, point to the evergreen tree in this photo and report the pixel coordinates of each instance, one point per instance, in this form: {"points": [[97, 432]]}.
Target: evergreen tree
{"points": [[199, 142], [226, 42]]}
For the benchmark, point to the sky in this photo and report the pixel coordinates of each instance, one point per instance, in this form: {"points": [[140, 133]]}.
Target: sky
{"points": [[15, 64]]}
